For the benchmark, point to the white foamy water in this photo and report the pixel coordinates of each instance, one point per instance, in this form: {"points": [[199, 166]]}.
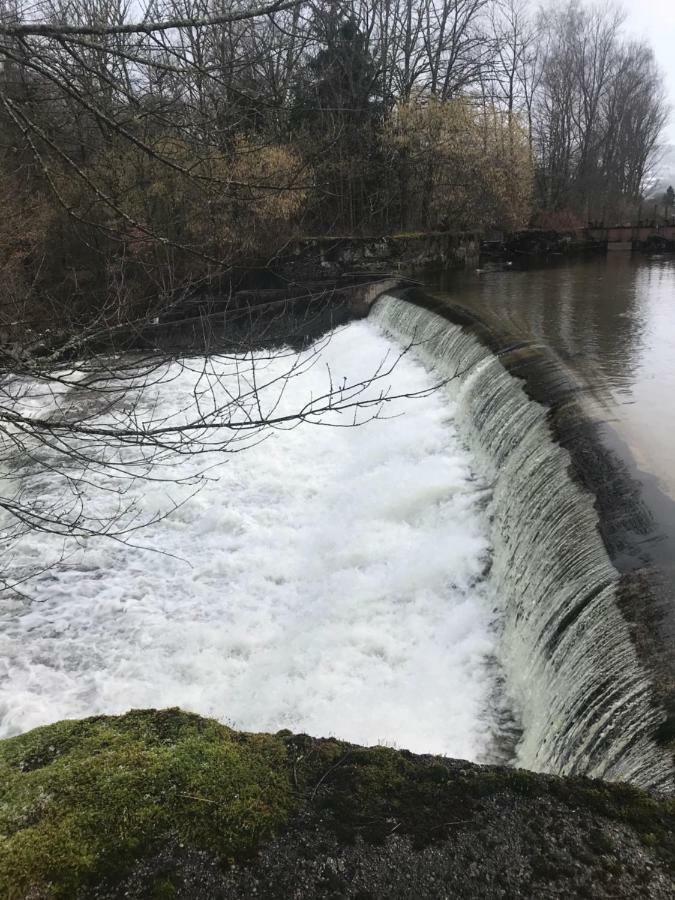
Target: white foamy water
{"points": [[327, 580]]}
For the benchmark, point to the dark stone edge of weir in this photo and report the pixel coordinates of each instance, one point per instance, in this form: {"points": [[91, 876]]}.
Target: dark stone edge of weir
{"points": [[166, 804], [645, 597]]}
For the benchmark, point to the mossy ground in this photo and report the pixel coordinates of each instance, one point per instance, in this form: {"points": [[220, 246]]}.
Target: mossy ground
{"points": [[81, 803], [81, 800], [374, 792]]}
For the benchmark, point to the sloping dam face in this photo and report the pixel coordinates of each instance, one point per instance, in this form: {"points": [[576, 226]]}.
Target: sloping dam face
{"points": [[585, 697]]}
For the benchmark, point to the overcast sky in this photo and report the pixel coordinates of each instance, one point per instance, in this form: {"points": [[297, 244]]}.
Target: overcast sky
{"points": [[655, 21]]}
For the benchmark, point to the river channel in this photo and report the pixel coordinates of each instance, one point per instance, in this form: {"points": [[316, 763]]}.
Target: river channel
{"points": [[611, 322]]}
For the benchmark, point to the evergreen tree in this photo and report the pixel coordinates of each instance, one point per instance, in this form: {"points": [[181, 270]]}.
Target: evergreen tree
{"points": [[338, 103]]}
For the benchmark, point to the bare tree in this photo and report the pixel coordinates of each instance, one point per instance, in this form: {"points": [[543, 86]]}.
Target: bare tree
{"points": [[158, 147], [150, 155], [598, 111]]}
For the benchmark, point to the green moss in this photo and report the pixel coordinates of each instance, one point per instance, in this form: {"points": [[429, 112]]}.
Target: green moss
{"points": [[164, 889], [371, 793], [84, 800], [81, 802]]}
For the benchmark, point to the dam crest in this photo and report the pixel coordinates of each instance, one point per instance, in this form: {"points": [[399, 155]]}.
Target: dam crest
{"points": [[585, 699]]}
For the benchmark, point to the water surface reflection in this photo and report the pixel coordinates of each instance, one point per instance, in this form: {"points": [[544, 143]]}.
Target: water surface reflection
{"points": [[611, 320]]}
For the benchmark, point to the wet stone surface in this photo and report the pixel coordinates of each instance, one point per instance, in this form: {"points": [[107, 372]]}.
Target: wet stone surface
{"points": [[165, 804]]}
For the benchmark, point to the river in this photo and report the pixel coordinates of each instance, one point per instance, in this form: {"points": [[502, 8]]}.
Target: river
{"points": [[326, 579], [611, 322], [417, 580]]}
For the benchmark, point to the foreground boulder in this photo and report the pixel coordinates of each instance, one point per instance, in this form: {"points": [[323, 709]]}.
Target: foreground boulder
{"points": [[165, 804]]}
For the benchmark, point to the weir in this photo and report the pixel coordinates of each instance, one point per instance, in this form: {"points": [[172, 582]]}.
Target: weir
{"points": [[585, 698]]}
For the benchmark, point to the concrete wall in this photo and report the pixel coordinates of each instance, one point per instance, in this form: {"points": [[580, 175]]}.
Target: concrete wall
{"points": [[391, 254]]}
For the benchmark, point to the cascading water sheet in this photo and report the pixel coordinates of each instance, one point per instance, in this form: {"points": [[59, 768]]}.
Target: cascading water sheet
{"points": [[329, 580], [583, 697]]}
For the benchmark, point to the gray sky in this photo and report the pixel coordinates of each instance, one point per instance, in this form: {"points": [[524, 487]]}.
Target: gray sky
{"points": [[655, 21]]}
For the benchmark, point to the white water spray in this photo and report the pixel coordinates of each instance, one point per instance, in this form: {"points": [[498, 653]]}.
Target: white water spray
{"points": [[328, 580], [582, 694]]}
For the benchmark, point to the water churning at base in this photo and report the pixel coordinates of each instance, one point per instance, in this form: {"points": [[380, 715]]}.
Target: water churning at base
{"points": [[327, 579], [583, 696]]}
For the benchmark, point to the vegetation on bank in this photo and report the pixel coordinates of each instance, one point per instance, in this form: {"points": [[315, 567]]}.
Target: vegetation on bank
{"points": [[83, 802], [140, 164]]}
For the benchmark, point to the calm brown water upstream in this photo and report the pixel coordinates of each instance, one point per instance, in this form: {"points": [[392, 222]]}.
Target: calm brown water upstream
{"points": [[611, 321]]}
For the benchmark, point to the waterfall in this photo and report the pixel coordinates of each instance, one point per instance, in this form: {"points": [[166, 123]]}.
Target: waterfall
{"points": [[584, 697]]}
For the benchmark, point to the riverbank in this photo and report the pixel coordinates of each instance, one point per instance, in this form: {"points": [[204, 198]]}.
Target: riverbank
{"points": [[166, 804]]}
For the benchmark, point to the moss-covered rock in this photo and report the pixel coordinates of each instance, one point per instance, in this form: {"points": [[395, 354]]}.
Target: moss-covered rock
{"points": [[82, 800], [164, 804]]}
